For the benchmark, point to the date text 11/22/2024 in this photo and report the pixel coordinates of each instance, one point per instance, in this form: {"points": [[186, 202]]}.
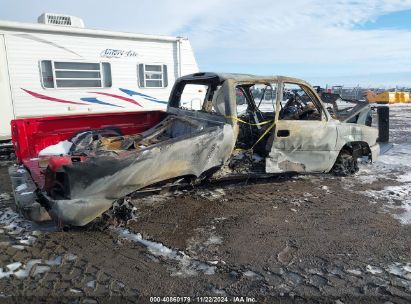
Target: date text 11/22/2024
{"points": [[220, 299]]}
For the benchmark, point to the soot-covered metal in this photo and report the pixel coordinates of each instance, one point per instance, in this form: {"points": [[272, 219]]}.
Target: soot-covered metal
{"points": [[216, 125]]}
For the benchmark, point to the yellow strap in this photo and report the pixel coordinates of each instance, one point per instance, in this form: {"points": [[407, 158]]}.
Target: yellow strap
{"points": [[248, 123], [262, 136]]}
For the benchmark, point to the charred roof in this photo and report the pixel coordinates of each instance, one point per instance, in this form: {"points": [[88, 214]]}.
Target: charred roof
{"points": [[236, 77]]}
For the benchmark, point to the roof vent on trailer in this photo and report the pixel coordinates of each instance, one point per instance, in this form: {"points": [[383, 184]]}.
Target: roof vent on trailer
{"points": [[58, 19]]}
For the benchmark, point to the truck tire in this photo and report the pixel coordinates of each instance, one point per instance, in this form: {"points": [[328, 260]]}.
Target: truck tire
{"points": [[345, 164]]}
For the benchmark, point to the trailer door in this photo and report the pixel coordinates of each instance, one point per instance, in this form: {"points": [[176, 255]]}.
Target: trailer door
{"points": [[6, 104]]}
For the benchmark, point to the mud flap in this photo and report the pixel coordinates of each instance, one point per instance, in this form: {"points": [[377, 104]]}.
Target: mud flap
{"points": [[383, 114]]}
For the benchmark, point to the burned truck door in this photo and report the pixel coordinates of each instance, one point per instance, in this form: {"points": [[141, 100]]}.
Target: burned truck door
{"points": [[304, 136]]}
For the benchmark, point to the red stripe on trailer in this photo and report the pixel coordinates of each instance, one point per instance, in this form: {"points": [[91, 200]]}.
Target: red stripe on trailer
{"points": [[41, 96], [119, 97]]}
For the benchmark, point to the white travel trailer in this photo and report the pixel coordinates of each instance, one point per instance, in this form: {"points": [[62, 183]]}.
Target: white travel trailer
{"points": [[57, 67]]}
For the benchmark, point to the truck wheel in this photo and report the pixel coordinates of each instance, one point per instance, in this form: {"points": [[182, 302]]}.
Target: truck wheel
{"points": [[345, 164]]}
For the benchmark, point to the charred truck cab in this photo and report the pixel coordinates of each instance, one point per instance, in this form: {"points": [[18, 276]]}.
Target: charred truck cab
{"points": [[216, 126]]}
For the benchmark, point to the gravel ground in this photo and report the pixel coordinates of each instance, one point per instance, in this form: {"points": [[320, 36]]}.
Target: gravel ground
{"points": [[309, 238]]}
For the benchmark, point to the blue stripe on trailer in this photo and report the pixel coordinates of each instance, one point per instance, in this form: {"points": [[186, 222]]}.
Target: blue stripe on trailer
{"points": [[95, 100], [147, 97]]}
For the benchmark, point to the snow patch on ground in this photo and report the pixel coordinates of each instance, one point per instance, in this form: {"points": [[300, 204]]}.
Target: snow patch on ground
{"points": [[405, 178], [16, 224], [21, 187], [214, 240], [34, 267], [373, 270], [91, 284], [397, 201], [211, 194], [205, 239], [5, 197], [354, 272], [186, 265], [23, 231], [395, 166], [326, 189], [400, 270], [398, 157], [23, 234], [249, 273], [154, 199], [62, 147], [366, 176], [75, 290]]}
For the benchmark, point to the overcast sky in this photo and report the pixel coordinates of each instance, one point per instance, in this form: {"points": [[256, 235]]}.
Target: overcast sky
{"points": [[344, 42]]}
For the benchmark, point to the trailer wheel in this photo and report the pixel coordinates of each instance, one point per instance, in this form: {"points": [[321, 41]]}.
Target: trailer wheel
{"points": [[345, 164]]}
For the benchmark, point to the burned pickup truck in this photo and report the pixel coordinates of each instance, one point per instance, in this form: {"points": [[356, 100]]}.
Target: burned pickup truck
{"points": [[216, 126]]}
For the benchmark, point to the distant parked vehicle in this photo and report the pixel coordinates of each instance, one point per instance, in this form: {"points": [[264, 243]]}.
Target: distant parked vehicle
{"points": [[353, 93]]}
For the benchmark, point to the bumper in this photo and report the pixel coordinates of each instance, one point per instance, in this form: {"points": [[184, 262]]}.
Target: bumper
{"points": [[75, 212], [25, 197]]}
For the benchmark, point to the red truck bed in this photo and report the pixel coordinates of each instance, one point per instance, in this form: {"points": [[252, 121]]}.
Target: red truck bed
{"points": [[31, 135]]}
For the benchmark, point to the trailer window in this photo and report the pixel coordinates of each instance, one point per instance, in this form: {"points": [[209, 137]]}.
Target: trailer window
{"points": [[56, 74], [152, 75], [47, 74]]}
